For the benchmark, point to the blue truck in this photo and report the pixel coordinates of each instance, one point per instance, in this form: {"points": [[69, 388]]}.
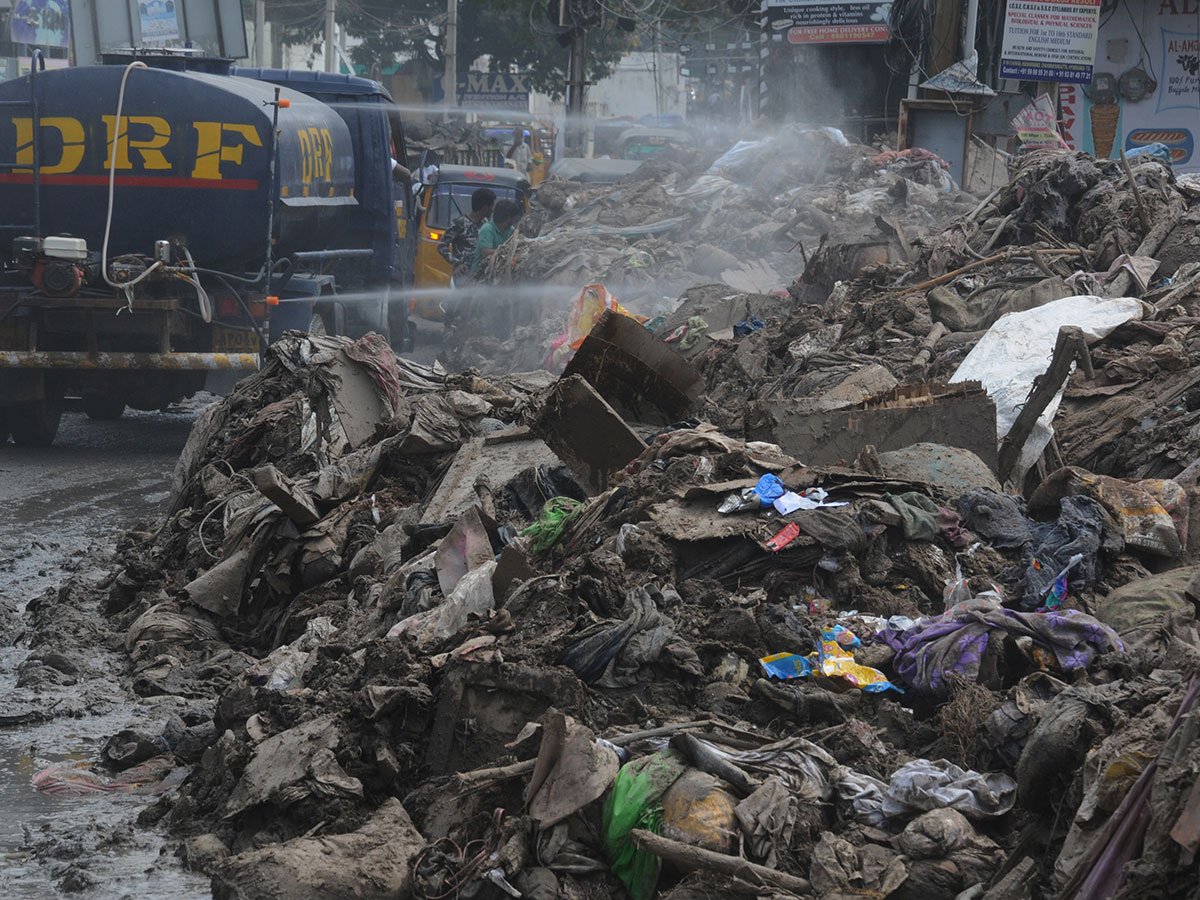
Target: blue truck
{"points": [[163, 216]]}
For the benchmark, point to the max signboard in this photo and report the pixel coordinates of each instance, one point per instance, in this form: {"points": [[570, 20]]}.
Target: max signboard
{"points": [[495, 90], [829, 21]]}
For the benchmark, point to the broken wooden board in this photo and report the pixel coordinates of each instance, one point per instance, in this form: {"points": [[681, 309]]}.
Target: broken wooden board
{"points": [[295, 502], [493, 456], [586, 433], [684, 520], [644, 379], [958, 415], [357, 401]]}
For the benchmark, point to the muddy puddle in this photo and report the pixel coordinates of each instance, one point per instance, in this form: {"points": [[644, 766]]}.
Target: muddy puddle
{"points": [[64, 507]]}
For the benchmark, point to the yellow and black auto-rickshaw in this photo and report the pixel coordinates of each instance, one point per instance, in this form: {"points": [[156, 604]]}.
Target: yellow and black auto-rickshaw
{"points": [[446, 197]]}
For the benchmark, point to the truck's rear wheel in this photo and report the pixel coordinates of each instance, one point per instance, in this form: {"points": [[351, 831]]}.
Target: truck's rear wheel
{"points": [[370, 315], [103, 407], [36, 424], [328, 317]]}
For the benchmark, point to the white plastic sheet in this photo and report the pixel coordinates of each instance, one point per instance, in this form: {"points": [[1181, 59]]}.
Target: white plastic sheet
{"points": [[736, 158], [471, 596], [1018, 348], [922, 785]]}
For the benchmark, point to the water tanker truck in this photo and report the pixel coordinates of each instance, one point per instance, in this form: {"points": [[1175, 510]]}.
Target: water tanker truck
{"points": [[163, 217]]}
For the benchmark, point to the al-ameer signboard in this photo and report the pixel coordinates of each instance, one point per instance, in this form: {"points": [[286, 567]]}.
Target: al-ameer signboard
{"points": [[1050, 41], [1157, 94], [828, 21]]}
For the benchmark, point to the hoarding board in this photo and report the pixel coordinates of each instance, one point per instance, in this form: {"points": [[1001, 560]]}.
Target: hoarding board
{"points": [[1157, 95], [489, 90], [828, 21], [494, 90], [158, 22], [1050, 41], [40, 23], [212, 27]]}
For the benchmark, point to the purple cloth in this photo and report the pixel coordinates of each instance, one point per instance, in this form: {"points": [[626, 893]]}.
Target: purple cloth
{"points": [[954, 642]]}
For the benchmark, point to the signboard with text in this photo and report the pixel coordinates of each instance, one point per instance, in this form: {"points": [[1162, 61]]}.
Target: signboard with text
{"points": [[828, 21], [494, 90], [1050, 41], [157, 20], [41, 23], [1165, 110]]}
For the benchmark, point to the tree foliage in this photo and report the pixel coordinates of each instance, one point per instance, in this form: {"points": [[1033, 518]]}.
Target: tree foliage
{"points": [[511, 35]]}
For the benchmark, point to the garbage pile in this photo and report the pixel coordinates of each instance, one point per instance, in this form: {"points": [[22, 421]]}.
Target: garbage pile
{"points": [[818, 594], [748, 220], [746, 216]]}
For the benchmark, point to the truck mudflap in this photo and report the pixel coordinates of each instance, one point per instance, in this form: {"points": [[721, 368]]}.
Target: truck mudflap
{"points": [[180, 362]]}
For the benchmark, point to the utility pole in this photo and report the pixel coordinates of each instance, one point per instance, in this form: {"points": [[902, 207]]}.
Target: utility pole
{"points": [[330, 53], [658, 79], [450, 81], [260, 28], [968, 49], [576, 87]]}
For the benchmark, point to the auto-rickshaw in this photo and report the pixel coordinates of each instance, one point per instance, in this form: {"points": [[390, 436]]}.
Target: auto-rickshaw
{"points": [[647, 143], [445, 197]]}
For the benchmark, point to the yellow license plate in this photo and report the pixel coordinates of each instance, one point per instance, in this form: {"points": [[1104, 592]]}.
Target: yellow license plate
{"points": [[234, 340]]}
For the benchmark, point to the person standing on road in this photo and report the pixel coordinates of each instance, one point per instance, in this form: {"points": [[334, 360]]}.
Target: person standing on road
{"points": [[520, 153], [494, 233], [457, 245]]}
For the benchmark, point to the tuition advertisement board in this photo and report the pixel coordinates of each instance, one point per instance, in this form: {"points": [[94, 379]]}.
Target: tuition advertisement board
{"points": [[827, 21], [1050, 41], [1146, 87]]}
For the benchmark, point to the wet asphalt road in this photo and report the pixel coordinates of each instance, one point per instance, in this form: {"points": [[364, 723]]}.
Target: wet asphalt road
{"points": [[57, 507], [62, 510], [59, 502]]}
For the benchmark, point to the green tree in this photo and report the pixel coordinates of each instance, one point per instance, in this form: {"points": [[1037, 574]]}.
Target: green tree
{"points": [[513, 35]]}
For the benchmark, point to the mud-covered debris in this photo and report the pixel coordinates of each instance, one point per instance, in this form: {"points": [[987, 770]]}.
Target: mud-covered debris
{"points": [[636, 629]]}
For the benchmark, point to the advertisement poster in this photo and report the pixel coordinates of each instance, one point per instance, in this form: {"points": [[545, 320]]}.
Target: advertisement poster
{"points": [[489, 90], [828, 21], [1144, 96], [1037, 125], [158, 22], [41, 23], [1046, 41]]}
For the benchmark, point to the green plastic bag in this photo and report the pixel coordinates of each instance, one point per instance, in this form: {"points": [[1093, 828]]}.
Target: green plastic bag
{"points": [[557, 514], [635, 801]]}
